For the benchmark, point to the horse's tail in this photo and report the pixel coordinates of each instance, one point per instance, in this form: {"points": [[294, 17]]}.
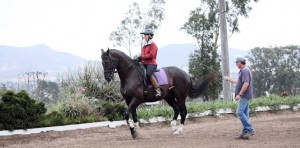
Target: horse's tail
{"points": [[199, 86]]}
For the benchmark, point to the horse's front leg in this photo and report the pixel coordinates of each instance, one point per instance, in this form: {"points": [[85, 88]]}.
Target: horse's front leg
{"points": [[132, 109], [135, 120]]}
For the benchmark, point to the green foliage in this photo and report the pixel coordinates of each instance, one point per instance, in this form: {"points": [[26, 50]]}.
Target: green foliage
{"points": [[241, 7], [113, 111], [274, 101], [275, 70], [204, 62], [53, 119], [89, 83], [77, 108], [49, 91], [195, 108], [111, 92], [203, 25], [3, 89], [71, 110], [19, 111], [147, 112]]}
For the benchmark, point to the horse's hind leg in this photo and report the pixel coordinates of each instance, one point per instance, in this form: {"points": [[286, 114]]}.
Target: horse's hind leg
{"points": [[172, 102]]}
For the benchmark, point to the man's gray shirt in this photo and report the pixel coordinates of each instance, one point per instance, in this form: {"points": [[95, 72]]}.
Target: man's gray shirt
{"points": [[245, 75]]}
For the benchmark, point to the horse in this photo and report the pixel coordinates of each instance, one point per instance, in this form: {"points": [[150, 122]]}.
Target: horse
{"points": [[133, 88]]}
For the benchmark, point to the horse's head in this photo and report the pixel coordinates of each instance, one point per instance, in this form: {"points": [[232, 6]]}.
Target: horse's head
{"points": [[109, 65]]}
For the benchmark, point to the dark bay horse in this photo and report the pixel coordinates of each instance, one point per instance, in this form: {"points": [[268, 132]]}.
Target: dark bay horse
{"points": [[132, 87]]}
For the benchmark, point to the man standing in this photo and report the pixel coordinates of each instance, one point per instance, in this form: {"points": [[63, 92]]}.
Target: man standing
{"points": [[243, 93]]}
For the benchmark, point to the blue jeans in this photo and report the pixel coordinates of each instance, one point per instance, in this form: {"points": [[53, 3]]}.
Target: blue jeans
{"points": [[243, 113]]}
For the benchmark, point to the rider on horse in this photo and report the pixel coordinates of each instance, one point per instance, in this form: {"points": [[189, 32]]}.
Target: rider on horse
{"points": [[148, 58]]}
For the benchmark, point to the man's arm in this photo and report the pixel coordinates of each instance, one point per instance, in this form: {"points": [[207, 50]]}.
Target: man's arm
{"points": [[244, 88], [232, 80]]}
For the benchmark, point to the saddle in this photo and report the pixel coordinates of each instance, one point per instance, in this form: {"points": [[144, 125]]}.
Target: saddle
{"points": [[159, 74]]}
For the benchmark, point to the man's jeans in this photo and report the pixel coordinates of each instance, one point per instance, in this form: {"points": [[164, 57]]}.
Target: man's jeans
{"points": [[243, 113]]}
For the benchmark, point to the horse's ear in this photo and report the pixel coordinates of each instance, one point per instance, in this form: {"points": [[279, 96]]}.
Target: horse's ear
{"points": [[107, 52], [102, 51]]}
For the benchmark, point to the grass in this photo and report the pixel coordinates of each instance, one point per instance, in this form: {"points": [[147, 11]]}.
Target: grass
{"points": [[273, 101], [54, 118]]}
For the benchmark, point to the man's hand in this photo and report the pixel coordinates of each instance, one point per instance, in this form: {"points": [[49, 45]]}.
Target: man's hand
{"points": [[139, 59], [238, 97], [226, 78]]}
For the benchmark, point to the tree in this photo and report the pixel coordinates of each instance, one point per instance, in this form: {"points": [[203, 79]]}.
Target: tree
{"points": [[275, 69], [49, 92], [203, 25], [34, 82], [3, 88], [128, 33]]}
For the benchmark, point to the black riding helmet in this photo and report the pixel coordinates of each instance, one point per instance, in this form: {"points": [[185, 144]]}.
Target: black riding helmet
{"points": [[148, 32]]}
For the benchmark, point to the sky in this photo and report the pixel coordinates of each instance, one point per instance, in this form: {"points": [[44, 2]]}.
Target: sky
{"points": [[82, 27]]}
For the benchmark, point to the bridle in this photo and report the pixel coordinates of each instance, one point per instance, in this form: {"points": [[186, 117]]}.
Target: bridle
{"points": [[112, 68]]}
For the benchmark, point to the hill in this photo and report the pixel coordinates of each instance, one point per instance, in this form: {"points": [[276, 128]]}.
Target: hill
{"points": [[16, 60]]}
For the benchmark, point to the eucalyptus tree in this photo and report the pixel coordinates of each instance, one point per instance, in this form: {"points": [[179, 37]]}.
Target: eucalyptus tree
{"points": [[127, 35], [275, 69], [203, 25]]}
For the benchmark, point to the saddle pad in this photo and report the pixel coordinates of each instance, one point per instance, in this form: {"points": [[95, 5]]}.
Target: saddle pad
{"points": [[161, 77]]}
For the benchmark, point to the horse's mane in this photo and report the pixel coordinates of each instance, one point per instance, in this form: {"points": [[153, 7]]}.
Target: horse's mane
{"points": [[118, 52]]}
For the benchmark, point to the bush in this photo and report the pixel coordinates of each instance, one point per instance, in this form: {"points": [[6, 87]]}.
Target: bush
{"points": [[19, 111], [113, 111], [53, 119]]}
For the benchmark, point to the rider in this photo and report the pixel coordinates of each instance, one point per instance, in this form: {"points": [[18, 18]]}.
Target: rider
{"points": [[148, 58]]}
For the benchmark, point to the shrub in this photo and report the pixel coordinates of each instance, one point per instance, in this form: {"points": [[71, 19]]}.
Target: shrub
{"points": [[113, 111], [52, 119], [19, 111]]}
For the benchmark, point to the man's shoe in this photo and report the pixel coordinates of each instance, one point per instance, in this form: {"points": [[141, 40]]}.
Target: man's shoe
{"points": [[244, 137], [250, 133]]}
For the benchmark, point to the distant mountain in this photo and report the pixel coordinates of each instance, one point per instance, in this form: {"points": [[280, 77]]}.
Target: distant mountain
{"points": [[178, 55], [175, 55], [17, 60]]}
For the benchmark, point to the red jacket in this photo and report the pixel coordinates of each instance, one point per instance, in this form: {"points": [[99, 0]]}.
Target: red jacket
{"points": [[149, 53]]}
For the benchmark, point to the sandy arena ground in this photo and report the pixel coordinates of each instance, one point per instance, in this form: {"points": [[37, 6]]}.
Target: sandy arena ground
{"points": [[276, 130]]}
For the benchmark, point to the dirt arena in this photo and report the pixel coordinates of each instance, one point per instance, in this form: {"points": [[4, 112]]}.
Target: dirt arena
{"points": [[276, 130]]}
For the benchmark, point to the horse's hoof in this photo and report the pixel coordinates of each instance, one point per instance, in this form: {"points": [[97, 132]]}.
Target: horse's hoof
{"points": [[173, 128], [133, 132], [134, 135], [173, 125], [176, 132], [179, 130]]}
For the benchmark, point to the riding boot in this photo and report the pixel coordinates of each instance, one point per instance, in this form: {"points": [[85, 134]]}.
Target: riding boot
{"points": [[155, 85]]}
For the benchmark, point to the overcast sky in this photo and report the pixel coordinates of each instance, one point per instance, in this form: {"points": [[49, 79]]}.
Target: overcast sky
{"points": [[82, 27]]}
